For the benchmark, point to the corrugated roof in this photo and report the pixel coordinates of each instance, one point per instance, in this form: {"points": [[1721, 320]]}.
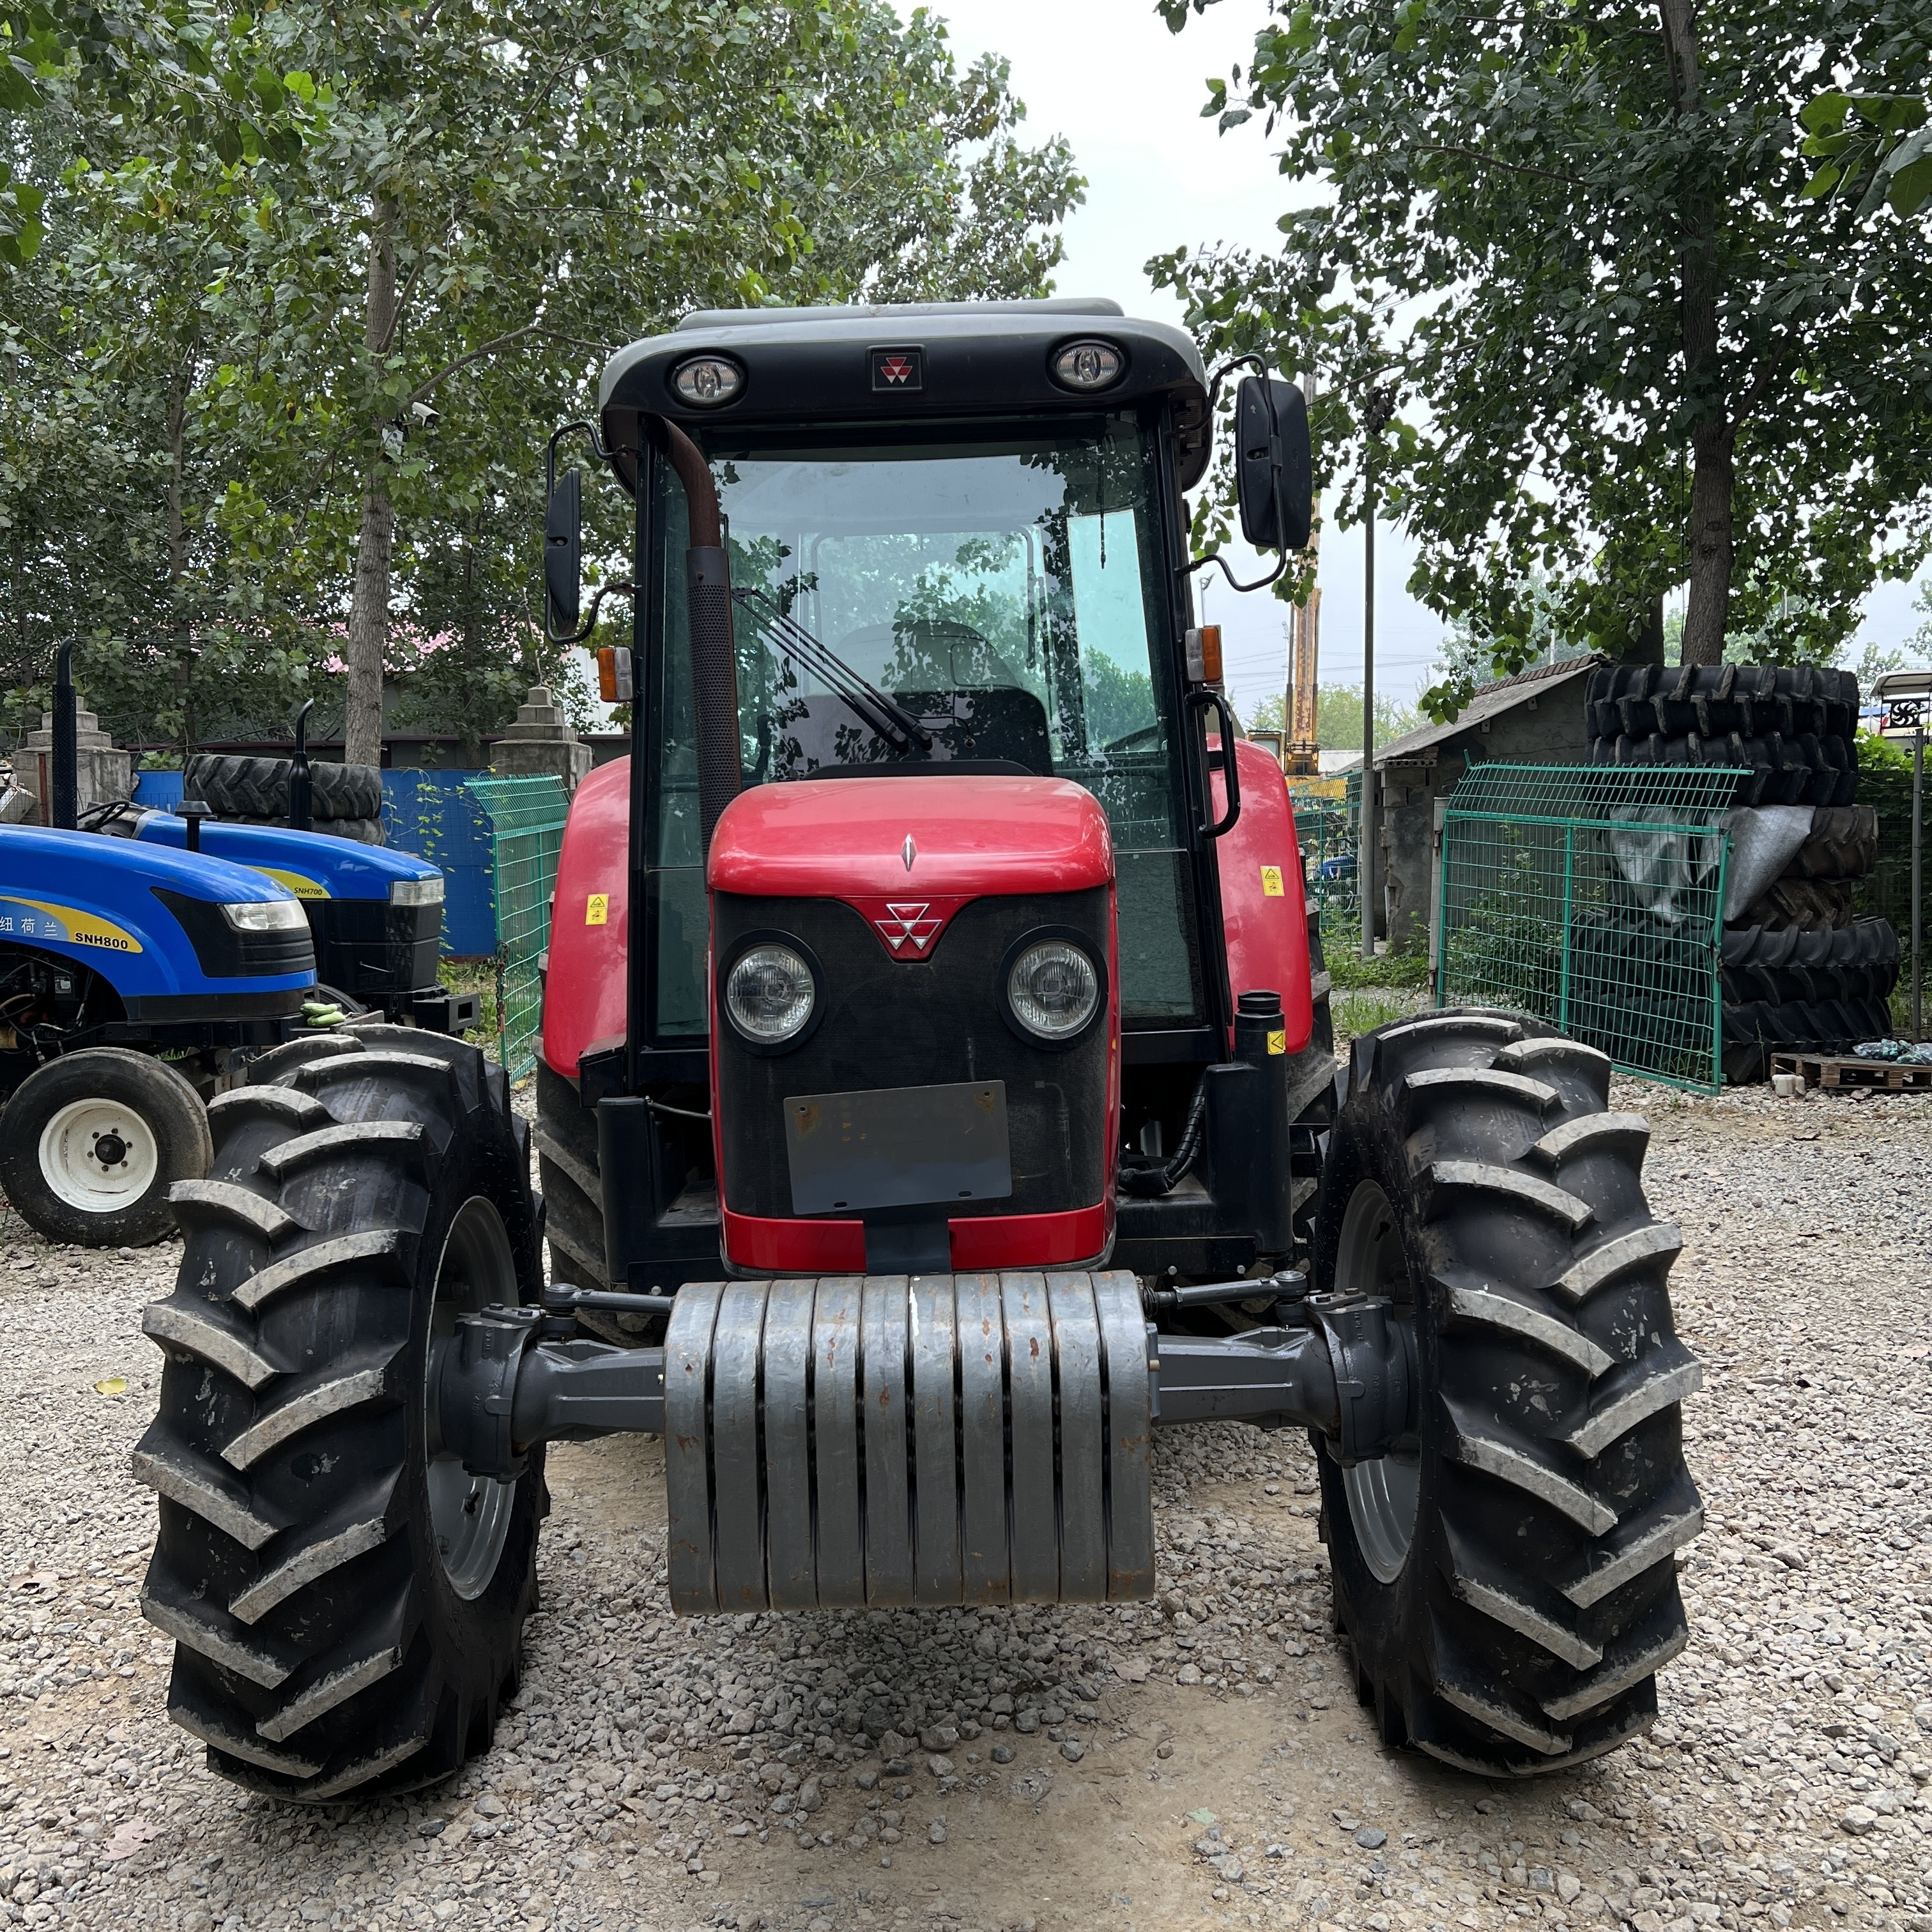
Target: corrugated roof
{"points": [[1491, 700]]}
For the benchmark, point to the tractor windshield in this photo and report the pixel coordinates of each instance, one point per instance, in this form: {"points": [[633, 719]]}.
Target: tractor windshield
{"points": [[989, 597]]}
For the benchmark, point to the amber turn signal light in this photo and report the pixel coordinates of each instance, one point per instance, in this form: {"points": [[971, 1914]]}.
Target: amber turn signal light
{"points": [[614, 674], [1203, 654]]}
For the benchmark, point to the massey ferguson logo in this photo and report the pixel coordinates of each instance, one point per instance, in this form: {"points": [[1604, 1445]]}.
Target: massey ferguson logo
{"points": [[910, 929], [898, 369], [909, 925]]}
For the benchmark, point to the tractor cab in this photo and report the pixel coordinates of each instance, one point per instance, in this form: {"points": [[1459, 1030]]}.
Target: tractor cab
{"points": [[937, 839]]}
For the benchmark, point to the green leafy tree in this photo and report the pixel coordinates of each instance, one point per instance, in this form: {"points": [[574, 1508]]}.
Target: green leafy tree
{"points": [[296, 381], [1472, 653], [1875, 148], [1638, 346]]}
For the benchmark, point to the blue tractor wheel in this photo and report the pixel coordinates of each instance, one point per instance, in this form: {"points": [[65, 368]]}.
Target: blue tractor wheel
{"points": [[91, 1143]]}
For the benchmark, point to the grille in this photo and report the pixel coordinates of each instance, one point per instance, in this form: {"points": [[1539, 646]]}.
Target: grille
{"points": [[893, 1023], [369, 946]]}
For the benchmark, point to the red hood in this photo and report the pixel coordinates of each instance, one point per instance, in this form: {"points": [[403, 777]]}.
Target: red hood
{"points": [[971, 836]]}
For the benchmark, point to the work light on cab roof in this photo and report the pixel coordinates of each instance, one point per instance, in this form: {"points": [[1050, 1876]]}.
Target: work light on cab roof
{"points": [[708, 382], [1089, 365]]}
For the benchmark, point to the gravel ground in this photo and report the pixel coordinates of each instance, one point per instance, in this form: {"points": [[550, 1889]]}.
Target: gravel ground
{"points": [[1201, 1760]]}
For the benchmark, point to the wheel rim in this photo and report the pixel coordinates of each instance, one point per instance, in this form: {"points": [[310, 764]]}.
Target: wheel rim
{"points": [[469, 1516], [1382, 1495], [99, 1156]]}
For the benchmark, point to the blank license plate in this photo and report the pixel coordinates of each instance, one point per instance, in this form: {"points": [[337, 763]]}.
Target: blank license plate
{"points": [[898, 1147]]}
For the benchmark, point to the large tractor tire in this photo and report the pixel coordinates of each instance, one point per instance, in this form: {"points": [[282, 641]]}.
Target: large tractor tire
{"points": [[1843, 845], [1805, 769], [347, 1602], [1805, 905], [1713, 700], [258, 788], [91, 1144], [1505, 1578]]}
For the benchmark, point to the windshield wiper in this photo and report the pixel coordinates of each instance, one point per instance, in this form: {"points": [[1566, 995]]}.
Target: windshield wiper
{"points": [[884, 714]]}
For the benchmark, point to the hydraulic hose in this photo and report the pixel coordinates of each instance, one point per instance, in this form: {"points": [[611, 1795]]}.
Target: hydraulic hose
{"points": [[1144, 1183]]}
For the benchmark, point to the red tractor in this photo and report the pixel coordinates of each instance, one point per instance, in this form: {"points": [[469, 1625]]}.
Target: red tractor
{"points": [[937, 1097]]}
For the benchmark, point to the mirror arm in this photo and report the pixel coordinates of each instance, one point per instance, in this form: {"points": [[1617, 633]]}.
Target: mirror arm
{"points": [[1233, 583], [623, 589], [1226, 369], [589, 429]]}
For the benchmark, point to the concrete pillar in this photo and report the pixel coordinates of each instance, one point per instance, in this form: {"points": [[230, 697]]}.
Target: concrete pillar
{"points": [[542, 742], [103, 770]]}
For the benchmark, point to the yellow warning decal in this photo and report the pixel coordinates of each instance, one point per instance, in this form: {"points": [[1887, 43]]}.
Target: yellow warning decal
{"points": [[597, 909], [1271, 886], [298, 883], [1278, 1042], [35, 919]]}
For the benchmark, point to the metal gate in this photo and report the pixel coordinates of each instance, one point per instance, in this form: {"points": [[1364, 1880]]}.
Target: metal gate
{"points": [[1592, 898], [526, 817]]}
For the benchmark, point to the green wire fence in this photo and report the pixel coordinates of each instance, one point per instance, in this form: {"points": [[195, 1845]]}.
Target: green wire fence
{"points": [[526, 817], [1330, 832], [1592, 898]]}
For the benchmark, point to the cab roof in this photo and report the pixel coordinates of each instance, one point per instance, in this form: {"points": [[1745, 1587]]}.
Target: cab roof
{"points": [[987, 358]]}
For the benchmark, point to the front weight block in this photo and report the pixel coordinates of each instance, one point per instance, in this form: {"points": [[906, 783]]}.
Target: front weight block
{"points": [[881, 1440]]}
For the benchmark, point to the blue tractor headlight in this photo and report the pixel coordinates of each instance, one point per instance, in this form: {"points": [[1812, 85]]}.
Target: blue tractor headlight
{"points": [[266, 916]]}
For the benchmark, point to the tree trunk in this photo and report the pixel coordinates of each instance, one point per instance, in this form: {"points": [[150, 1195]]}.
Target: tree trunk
{"points": [[1647, 647], [1713, 435], [183, 636], [375, 543], [1712, 477], [472, 652]]}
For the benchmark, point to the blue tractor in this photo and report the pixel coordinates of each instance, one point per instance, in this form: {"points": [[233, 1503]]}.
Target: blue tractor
{"points": [[139, 973]]}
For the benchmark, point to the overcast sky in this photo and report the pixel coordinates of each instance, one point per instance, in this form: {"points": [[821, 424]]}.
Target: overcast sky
{"points": [[1127, 95]]}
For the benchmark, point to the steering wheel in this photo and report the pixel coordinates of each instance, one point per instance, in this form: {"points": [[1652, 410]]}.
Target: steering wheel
{"points": [[1148, 733]]}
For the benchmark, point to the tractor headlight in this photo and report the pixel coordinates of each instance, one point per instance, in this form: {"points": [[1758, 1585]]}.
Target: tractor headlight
{"points": [[770, 994], [1053, 990], [416, 892], [266, 916]]}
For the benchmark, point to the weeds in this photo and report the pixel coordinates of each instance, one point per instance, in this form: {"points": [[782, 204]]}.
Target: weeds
{"points": [[1357, 1012], [1350, 971]]}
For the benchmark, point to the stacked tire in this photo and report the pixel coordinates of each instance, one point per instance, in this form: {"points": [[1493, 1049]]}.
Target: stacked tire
{"points": [[1793, 728], [1815, 892], [1801, 972], [344, 800], [1787, 989]]}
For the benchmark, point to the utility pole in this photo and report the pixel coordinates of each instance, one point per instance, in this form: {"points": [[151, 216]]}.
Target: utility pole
{"points": [[1301, 753], [1378, 412], [1918, 875], [1905, 697]]}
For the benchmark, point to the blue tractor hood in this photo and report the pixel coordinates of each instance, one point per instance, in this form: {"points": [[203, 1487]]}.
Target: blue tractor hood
{"points": [[313, 865], [150, 921]]}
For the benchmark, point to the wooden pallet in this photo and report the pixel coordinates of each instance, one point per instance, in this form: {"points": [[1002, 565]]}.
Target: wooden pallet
{"points": [[1832, 1070]]}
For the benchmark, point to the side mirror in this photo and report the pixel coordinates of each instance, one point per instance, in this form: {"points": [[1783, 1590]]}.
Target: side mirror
{"points": [[1274, 467], [563, 553]]}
